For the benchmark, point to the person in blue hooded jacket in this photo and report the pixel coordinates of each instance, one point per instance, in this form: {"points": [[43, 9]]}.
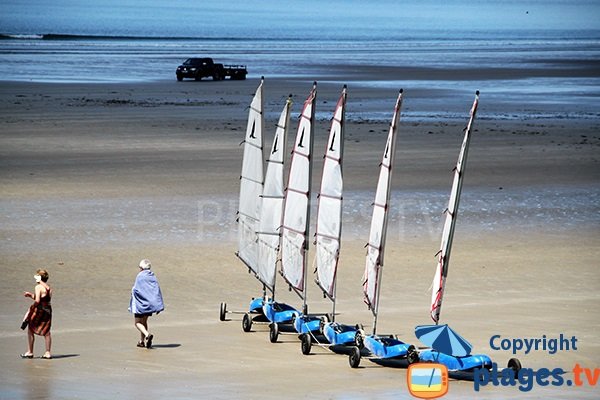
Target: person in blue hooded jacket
{"points": [[146, 299]]}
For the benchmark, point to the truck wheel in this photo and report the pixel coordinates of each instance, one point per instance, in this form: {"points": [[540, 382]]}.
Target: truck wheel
{"points": [[197, 77], [216, 77], [179, 78]]}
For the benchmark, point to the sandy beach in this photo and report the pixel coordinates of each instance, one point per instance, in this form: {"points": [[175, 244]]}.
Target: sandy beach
{"points": [[95, 177]]}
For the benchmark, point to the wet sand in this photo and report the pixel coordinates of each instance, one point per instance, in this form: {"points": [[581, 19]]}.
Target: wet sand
{"points": [[96, 177]]}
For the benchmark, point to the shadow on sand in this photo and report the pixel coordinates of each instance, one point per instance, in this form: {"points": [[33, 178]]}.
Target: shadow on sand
{"points": [[166, 346], [58, 356]]}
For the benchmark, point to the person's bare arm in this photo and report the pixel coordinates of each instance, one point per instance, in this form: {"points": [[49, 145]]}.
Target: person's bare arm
{"points": [[38, 293]]}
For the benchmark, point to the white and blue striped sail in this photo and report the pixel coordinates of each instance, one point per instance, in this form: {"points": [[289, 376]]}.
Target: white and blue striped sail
{"points": [[296, 214], [377, 235], [439, 279], [329, 210], [272, 203], [251, 185]]}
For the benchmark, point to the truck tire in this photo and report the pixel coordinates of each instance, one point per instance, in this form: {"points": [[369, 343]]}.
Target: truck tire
{"points": [[238, 75], [179, 78]]}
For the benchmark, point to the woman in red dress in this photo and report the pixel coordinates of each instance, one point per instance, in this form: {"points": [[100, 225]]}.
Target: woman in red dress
{"points": [[39, 317]]}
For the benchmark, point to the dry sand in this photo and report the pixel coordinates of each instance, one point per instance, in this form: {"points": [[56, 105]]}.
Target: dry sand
{"points": [[95, 177]]}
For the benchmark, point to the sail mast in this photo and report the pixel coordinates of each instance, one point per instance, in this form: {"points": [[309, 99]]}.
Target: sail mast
{"points": [[296, 214], [251, 183], [329, 210], [377, 236], [439, 280], [272, 204]]}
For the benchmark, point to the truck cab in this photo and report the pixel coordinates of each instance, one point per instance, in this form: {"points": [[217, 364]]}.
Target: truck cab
{"points": [[198, 68]]}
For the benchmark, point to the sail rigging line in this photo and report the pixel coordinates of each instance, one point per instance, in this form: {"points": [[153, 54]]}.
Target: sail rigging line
{"points": [[439, 279], [329, 208], [252, 180], [302, 192], [378, 232], [299, 232], [296, 216], [334, 159], [253, 126], [330, 196], [328, 236]]}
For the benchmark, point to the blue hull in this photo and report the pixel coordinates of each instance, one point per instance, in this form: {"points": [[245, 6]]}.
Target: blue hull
{"points": [[386, 347], [256, 306], [306, 324], [466, 363], [279, 312], [339, 334]]}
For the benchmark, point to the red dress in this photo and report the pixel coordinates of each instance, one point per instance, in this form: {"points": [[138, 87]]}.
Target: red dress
{"points": [[40, 315]]}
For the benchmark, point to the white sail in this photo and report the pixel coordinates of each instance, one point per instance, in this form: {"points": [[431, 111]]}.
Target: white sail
{"points": [[296, 214], [377, 235], [272, 203], [251, 186], [329, 211], [439, 280]]}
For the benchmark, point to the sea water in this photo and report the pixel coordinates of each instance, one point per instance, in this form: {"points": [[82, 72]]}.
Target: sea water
{"points": [[125, 40], [547, 52]]}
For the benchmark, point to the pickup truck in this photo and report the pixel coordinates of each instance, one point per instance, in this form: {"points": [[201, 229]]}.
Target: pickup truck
{"points": [[199, 68]]}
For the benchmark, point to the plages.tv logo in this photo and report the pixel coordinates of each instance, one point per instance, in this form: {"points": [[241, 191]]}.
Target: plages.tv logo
{"points": [[427, 380], [527, 378]]}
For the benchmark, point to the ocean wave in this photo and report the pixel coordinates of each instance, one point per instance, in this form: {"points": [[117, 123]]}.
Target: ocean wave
{"points": [[74, 37], [9, 36]]}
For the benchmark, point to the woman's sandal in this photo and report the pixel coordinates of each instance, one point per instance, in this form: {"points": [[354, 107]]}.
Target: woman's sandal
{"points": [[149, 341], [141, 344], [26, 355], [45, 357]]}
